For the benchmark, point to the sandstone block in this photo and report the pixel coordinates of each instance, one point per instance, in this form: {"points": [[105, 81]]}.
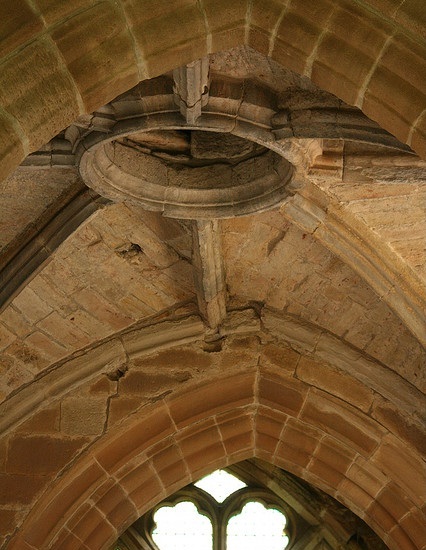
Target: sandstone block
{"points": [[282, 357], [293, 49], [299, 335], [285, 395], [290, 56], [348, 52], [104, 312], [41, 455], [352, 494], [298, 442], [418, 138], [67, 541], [414, 525], [301, 25], [222, 15], [338, 456], [121, 407], [157, 30], [167, 460], [236, 430], [4, 441], [19, 352], [92, 528], [342, 421], [335, 59], [406, 427], [20, 489], [143, 486], [367, 476], [214, 398], [42, 105], [55, 11], [6, 337], [326, 473], [115, 505], [406, 58], [269, 425], [350, 24], [400, 538], [201, 444], [397, 110], [31, 305], [55, 507], [11, 147], [265, 15], [409, 473], [336, 382], [19, 24], [311, 11], [155, 425], [89, 324], [20, 544], [42, 422], [102, 386], [16, 322], [64, 331], [331, 461], [45, 347], [412, 16], [98, 73], [393, 500], [258, 39], [185, 358], [8, 521], [386, 6], [381, 516], [81, 416]]}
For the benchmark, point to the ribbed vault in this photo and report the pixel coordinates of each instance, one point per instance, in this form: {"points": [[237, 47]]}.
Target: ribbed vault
{"points": [[269, 307]]}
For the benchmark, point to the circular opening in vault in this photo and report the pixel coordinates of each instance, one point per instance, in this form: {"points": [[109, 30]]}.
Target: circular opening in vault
{"points": [[187, 173]]}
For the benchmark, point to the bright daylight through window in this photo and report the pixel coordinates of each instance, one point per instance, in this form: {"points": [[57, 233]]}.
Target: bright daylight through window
{"points": [[233, 519], [250, 505]]}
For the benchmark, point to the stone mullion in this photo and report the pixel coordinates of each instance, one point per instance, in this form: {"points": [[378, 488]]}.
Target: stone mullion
{"points": [[219, 540]]}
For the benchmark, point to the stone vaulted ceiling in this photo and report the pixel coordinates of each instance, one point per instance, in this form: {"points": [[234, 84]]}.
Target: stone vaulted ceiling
{"points": [[212, 249]]}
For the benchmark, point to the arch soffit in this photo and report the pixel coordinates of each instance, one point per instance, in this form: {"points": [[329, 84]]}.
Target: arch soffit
{"points": [[309, 208], [47, 80], [250, 414], [403, 294]]}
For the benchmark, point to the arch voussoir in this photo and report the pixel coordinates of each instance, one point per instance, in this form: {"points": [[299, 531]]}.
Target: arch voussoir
{"points": [[172, 443], [309, 39]]}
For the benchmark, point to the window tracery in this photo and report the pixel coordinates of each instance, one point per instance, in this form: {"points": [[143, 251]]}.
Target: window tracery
{"points": [[216, 505], [219, 512]]}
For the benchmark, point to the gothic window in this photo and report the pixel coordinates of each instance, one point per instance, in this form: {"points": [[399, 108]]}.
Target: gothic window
{"points": [[219, 512]]}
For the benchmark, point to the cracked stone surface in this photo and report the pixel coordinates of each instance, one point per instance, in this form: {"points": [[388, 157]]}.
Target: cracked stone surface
{"points": [[247, 282]]}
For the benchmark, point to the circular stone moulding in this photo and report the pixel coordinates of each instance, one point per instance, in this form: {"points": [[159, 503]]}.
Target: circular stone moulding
{"points": [[187, 174]]}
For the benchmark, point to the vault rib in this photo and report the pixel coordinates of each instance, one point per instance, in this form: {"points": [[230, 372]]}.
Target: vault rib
{"points": [[209, 272]]}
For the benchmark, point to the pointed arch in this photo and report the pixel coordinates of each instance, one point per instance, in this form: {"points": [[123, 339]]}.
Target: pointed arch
{"points": [[61, 62], [174, 441]]}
